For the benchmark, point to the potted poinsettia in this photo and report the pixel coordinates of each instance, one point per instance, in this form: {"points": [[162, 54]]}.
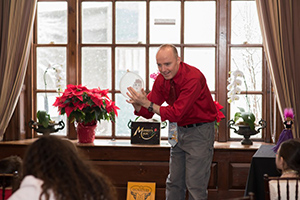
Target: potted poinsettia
{"points": [[86, 106]]}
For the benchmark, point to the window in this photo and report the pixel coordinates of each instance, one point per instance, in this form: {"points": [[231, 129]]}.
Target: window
{"points": [[94, 43], [246, 54]]}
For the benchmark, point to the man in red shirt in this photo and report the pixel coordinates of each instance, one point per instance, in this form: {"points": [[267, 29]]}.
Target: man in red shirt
{"points": [[192, 112]]}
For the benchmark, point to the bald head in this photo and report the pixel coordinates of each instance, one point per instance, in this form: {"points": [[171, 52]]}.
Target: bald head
{"points": [[169, 46], [167, 61]]}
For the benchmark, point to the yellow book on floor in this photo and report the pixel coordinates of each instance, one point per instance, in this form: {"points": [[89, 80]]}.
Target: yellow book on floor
{"points": [[140, 191]]}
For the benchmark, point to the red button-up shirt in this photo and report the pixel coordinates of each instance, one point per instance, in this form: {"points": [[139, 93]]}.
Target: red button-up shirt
{"points": [[194, 103]]}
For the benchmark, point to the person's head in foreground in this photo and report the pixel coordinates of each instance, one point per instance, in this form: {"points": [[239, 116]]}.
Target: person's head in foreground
{"points": [[288, 158], [58, 163]]}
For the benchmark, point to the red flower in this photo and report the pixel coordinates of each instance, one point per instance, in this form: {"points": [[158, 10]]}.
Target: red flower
{"points": [[220, 115], [86, 105], [110, 107]]}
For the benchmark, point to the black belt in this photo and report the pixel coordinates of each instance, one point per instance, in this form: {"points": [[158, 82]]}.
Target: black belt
{"points": [[193, 125]]}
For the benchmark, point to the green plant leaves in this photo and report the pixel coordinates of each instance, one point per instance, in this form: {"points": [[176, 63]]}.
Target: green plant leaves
{"points": [[43, 118], [247, 117]]}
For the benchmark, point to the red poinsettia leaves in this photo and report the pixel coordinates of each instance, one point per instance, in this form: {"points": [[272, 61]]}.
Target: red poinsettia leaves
{"points": [[80, 97], [104, 92], [94, 103], [60, 102], [79, 105], [97, 99], [75, 91], [57, 102], [110, 106], [76, 88], [69, 110], [220, 115], [218, 105]]}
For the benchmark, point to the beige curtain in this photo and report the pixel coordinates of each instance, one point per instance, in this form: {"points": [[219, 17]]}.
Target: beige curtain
{"points": [[16, 26], [280, 25]]}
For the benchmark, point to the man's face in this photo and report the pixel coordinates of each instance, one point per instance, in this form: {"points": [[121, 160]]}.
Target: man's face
{"points": [[167, 63]]}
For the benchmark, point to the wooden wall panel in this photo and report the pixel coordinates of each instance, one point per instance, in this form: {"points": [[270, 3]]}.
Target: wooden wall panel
{"points": [[123, 163], [213, 180], [238, 173], [122, 172]]}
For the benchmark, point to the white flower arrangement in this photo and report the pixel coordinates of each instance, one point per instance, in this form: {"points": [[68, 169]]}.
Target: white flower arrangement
{"points": [[234, 85], [59, 78], [235, 82]]}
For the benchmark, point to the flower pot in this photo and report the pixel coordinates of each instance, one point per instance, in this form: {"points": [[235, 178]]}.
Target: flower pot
{"points": [[86, 133]]}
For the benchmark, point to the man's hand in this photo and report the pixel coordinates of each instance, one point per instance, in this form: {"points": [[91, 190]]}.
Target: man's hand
{"points": [[137, 98], [140, 99]]}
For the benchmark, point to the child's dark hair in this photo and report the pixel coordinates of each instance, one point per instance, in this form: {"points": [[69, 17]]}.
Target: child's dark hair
{"points": [[64, 170], [10, 164], [290, 152]]}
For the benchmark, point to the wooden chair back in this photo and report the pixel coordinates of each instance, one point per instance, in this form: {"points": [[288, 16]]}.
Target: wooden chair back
{"points": [[8, 180], [286, 187]]}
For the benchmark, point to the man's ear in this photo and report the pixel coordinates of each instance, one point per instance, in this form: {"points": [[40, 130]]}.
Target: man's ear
{"points": [[178, 60]]}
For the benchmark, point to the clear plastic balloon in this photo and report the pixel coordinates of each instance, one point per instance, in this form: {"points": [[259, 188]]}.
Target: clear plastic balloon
{"points": [[131, 79]]}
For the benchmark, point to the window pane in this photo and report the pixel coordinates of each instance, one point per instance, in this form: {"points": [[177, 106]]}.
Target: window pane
{"points": [[52, 22], [104, 127], [255, 108], [126, 111], [96, 67], [165, 22], [200, 22], [163, 131], [152, 64], [249, 61], [45, 102], [96, 22], [204, 60], [131, 22], [132, 59], [245, 27], [51, 64]]}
